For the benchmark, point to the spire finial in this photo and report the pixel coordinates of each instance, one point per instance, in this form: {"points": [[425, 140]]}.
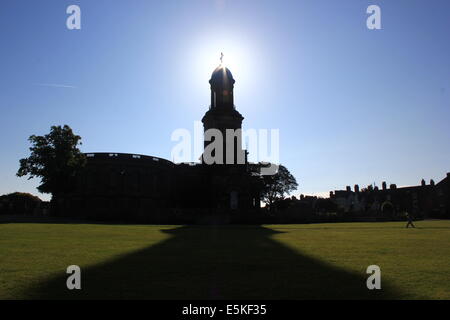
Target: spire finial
{"points": [[221, 58]]}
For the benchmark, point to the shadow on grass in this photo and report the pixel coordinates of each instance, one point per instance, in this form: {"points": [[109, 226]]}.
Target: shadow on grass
{"points": [[215, 262]]}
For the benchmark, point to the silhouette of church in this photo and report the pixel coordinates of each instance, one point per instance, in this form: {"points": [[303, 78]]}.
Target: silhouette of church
{"points": [[151, 189]]}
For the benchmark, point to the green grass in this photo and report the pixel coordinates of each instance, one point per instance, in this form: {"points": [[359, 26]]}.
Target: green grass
{"points": [[226, 262]]}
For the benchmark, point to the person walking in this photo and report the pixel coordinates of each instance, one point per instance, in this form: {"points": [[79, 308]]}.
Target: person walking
{"points": [[409, 217]]}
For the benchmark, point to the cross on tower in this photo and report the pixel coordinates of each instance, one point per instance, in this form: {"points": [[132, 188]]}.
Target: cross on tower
{"points": [[221, 58]]}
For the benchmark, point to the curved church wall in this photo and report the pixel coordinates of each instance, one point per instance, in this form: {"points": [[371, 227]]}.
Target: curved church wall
{"points": [[119, 185]]}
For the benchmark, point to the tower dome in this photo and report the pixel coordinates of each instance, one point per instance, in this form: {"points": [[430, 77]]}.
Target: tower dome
{"points": [[221, 76]]}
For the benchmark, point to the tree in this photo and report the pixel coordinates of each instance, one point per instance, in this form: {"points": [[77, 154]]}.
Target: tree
{"points": [[18, 203], [278, 185], [55, 158]]}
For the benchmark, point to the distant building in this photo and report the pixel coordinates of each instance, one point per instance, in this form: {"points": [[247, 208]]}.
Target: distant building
{"points": [[129, 186], [424, 200]]}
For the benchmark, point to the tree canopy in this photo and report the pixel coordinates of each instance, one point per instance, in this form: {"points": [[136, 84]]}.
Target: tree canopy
{"points": [[278, 185], [55, 158], [20, 196]]}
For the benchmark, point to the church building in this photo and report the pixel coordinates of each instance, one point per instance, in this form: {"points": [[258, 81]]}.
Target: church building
{"points": [[134, 187]]}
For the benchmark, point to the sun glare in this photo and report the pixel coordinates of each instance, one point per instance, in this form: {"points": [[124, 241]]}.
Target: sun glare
{"points": [[241, 56], [207, 56]]}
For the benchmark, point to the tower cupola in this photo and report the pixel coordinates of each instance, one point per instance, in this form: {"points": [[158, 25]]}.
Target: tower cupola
{"points": [[224, 118], [222, 85]]}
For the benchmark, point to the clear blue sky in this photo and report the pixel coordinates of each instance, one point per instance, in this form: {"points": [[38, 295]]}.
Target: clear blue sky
{"points": [[353, 105]]}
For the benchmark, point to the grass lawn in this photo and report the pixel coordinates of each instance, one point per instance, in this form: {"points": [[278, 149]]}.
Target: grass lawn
{"points": [[226, 262]]}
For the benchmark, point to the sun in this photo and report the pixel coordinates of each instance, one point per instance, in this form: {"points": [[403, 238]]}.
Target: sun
{"points": [[209, 53], [242, 55], [220, 56]]}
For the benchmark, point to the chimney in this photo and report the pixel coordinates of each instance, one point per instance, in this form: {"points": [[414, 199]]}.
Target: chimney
{"points": [[356, 188], [349, 189], [423, 183], [431, 182], [384, 185], [393, 186]]}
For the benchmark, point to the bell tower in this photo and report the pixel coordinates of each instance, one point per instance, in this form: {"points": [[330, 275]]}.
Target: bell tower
{"points": [[223, 116]]}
